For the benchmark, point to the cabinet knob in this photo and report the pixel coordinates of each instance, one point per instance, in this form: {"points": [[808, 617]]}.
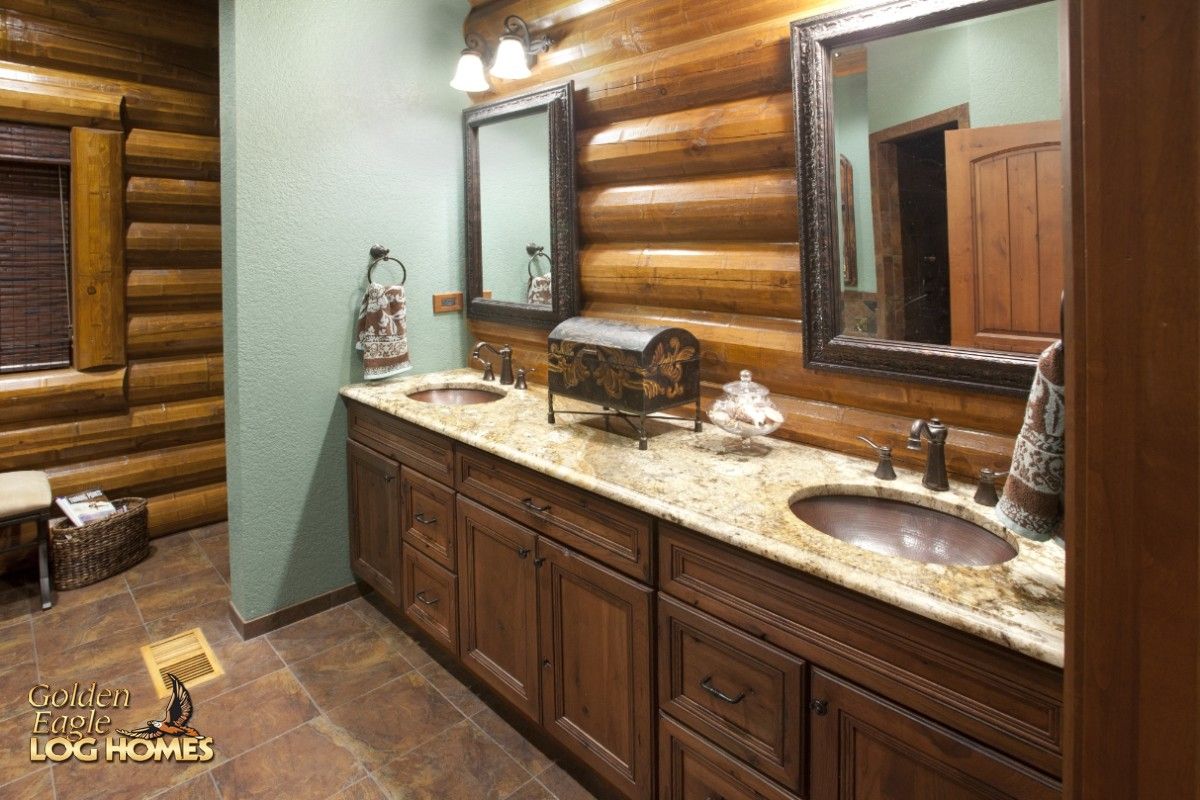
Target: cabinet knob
{"points": [[537, 562], [819, 707], [522, 552], [389, 478], [546, 664]]}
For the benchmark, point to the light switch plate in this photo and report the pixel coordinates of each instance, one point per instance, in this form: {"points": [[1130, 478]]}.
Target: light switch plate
{"points": [[447, 302]]}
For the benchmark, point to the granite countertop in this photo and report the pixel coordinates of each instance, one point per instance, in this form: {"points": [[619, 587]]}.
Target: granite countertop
{"points": [[745, 501]]}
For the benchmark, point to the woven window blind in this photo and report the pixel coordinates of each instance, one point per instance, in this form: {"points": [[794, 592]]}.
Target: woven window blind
{"points": [[35, 237]]}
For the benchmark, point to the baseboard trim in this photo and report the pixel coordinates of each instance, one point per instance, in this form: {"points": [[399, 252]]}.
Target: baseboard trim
{"points": [[250, 628]]}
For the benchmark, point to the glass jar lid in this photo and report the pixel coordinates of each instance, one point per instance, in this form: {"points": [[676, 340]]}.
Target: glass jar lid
{"points": [[745, 387]]}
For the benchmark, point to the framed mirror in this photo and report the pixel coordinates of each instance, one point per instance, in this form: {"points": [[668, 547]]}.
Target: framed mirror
{"points": [[929, 168], [522, 241]]}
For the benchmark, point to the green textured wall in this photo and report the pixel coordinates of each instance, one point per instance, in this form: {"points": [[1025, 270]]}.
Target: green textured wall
{"points": [[338, 130]]}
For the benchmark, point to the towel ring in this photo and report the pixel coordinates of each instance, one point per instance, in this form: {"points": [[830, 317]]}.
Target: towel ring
{"points": [[535, 250], [380, 253]]}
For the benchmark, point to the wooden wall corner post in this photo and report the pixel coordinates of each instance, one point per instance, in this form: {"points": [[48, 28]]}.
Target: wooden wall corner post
{"points": [[98, 247]]}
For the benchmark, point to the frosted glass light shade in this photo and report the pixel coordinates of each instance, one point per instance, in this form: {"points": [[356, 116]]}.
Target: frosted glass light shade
{"points": [[511, 60], [469, 77]]}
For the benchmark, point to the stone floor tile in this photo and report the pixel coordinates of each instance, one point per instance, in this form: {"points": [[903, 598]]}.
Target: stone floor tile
{"points": [[461, 764]]}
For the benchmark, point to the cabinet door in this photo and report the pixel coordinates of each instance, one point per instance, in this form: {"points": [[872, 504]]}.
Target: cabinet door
{"points": [[498, 603], [596, 682], [865, 748], [374, 484]]}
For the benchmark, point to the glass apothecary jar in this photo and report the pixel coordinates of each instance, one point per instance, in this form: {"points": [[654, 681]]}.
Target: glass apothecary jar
{"points": [[746, 411]]}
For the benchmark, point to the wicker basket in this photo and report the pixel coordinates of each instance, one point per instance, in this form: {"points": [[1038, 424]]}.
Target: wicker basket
{"points": [[85, 555]]}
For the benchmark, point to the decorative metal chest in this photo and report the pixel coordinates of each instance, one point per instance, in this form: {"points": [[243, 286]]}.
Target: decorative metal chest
{"points": [[632, 371]]}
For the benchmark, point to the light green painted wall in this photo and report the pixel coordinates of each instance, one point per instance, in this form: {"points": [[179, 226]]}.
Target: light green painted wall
{"points": [[338, 130], [514, 200], [850, 133], [1004, 65]]}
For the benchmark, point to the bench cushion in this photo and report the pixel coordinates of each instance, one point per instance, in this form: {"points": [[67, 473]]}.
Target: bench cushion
{"points": [[24, 493]]}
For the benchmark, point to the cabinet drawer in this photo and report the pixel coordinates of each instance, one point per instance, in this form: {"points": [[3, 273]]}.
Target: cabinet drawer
{"points": [[431, 597], [414, 447], [1002, 698], [608, 532], [428, 517], [690, 768], [744, 695]]}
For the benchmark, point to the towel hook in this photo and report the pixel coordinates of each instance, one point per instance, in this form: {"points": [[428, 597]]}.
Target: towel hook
{"points": [[535, 250], [380, 253]]}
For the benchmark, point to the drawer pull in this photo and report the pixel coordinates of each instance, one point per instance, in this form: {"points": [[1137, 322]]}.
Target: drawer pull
{"points": [[421, 596], [424, 520], [522, 552], [528, 503], [707, 686], [819, 707]]}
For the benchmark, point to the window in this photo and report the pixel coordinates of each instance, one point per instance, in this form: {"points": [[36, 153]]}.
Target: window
{"points": [[35, 244]]}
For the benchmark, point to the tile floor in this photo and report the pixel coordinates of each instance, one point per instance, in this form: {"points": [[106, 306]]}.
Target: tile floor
{"points": [[342, 705]]}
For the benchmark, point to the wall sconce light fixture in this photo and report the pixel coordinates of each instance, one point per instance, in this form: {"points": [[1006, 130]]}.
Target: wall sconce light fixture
{"points": [[469, 77], [516, 52]]}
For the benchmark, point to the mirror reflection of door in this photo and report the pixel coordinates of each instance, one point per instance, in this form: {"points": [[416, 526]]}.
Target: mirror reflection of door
{"points": [[958, 231], [514, 206]]}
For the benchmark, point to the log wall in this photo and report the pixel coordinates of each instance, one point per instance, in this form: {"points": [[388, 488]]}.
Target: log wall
{"points": [[688, 208], [141, 411]]}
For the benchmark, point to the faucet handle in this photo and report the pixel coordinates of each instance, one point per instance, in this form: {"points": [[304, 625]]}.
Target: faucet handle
{"points": [[489, 374], [521, 373], [985, 493], [884, 470]]}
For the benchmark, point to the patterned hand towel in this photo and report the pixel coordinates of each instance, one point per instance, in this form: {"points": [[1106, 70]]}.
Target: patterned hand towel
{"points": [[1033, 495], [538, 292], [382, 332]]}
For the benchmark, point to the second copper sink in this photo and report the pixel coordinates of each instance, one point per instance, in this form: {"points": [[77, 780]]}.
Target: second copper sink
{"points": [[896, 528], [455, 396]]}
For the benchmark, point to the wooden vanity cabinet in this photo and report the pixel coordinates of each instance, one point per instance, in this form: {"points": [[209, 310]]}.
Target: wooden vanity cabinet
{"points": [[866, 747], [738, 679], [374, 492], [499, 604], [597, 692]]}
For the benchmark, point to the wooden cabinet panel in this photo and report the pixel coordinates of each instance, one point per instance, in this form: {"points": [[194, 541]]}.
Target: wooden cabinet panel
{"points": [[741, 693], [1002, 698], [689, 768], [374, 484], [416, 448], [428, 517], [498, 582], [430, 597], [608, 532], [866, 748], [597, 697]]}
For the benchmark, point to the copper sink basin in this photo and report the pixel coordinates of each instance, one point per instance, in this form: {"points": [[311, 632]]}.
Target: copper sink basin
{"points": [[455, 397], [896, 528]]}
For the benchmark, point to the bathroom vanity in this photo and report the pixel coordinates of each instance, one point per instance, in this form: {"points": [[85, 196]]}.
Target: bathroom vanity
{"points": [[666, 618]]}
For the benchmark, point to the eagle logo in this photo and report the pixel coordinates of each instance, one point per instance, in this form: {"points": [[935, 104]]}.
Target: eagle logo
{"points": [[175, 717]]}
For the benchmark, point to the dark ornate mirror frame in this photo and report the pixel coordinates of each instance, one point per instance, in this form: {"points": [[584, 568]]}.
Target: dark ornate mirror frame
{"points": [[564, 242], [825, 347]]}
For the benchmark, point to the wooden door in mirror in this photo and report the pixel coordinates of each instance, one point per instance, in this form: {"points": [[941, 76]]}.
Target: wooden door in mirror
{"points": [[947, 115]]}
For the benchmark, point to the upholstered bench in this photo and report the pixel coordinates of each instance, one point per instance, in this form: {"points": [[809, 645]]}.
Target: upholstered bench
{"points": [[26, 497]]}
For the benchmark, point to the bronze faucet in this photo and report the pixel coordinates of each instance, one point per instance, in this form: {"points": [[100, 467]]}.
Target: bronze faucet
{"points": [[506, 367], [935, 465]]}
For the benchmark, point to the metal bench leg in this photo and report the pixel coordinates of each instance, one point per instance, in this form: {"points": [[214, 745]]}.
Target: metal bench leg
{"points": [[43, 535]]}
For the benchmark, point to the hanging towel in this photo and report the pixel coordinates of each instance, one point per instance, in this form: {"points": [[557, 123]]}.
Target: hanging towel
{"points": [[382, 332], [1033, 495], [538, 293]]}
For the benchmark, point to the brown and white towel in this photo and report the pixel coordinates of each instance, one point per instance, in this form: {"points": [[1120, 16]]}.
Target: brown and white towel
{"points": [[538, 292], [1032, 504], [382, 332]]}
